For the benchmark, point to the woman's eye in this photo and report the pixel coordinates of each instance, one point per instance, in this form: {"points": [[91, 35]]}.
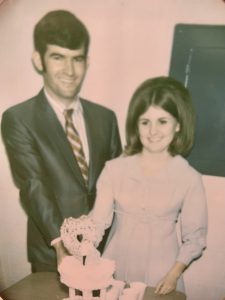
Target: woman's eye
{"points": [[144, 122], [162, 121]]}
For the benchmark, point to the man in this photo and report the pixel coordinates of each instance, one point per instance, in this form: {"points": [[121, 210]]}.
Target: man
{"points": [[57, 142]]}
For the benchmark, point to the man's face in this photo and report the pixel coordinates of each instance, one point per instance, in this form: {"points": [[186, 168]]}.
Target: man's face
{"points": [[64, 72]]}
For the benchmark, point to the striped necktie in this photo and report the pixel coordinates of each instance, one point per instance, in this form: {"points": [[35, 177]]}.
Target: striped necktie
{"points": [[75, 141]]}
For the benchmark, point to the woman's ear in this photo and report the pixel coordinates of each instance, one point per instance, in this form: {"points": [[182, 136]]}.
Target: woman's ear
{"points": [[37, 62], [177, 129]]}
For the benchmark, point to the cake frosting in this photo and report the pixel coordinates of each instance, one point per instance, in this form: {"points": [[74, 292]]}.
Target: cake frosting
{"points": [[91, 276]]}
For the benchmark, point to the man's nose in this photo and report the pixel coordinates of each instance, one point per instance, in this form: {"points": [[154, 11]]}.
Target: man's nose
{"points": [[69, 67]]}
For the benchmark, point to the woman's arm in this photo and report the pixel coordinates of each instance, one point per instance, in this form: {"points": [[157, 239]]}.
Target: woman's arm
{"points": [[193, 233], [102, 212], [194, 218], [169, 282]]}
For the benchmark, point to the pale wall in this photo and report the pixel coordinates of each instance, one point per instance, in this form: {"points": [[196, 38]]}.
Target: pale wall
{"points": [[131, 40]]}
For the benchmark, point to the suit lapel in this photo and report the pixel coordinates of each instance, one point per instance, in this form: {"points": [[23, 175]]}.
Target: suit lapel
{"points": [[51, 127]]}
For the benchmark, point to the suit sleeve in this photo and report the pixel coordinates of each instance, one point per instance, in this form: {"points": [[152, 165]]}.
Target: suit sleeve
{"points": [[115, 145], [30, 176]]}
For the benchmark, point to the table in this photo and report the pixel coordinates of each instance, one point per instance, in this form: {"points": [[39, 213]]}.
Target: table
{"points": [[46, 286]]}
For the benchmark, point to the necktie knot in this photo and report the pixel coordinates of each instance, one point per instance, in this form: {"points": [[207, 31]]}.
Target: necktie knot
{"points": [[68, 113]]}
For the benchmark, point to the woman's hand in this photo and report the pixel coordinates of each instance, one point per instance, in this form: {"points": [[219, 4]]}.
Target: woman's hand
{"points": [[169, 282], [166, 285]]}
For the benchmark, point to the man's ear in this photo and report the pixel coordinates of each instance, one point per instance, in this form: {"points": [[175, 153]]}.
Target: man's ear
{"points": [[37, 62], [87, 62]]}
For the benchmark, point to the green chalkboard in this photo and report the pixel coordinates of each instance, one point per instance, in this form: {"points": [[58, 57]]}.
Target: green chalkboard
{"points": [[198, 61]]}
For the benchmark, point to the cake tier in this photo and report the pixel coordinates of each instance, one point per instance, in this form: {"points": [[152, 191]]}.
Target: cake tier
{"points": [[92, 276]]}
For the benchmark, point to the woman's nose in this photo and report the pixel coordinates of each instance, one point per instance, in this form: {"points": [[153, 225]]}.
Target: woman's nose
{"points": [[153, 129]]}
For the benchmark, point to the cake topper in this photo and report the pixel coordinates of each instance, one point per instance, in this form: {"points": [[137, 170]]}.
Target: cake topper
{"points": [[79, 236]]}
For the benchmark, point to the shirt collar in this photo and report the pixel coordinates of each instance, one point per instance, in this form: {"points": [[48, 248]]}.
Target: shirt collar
{"points": [[59, 107]]}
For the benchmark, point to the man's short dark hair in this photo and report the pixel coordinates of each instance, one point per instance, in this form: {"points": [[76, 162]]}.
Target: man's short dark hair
{"points": [[60, 28]]}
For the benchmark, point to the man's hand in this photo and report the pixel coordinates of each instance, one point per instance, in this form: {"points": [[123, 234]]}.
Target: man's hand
{"points": [[61, 251]]}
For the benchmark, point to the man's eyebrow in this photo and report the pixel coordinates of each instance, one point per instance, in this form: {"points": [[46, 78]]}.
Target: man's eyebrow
{"points": [[63, 55], [80, 55], [56, 54]]}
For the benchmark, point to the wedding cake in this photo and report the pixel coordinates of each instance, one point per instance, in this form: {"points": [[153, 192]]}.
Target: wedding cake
{"points": [[85, 272]]}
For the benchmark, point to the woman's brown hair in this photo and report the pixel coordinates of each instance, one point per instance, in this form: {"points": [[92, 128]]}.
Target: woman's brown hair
{"points": [[170, 95]]}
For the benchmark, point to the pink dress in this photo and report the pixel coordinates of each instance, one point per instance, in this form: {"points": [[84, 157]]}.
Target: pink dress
{"points": [[144, 212]]}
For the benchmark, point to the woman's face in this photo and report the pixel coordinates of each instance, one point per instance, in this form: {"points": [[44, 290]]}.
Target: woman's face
{"points": [[156, 129]]}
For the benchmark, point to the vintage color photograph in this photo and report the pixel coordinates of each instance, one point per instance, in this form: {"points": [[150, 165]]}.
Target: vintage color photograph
{"points": [[112, 150]]}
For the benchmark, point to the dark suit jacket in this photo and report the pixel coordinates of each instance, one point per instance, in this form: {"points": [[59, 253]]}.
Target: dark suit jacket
{"points": [[45, 169]]}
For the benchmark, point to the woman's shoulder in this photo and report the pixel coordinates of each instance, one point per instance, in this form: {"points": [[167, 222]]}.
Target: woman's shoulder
{"points": [[183, 168], [122, 162]]}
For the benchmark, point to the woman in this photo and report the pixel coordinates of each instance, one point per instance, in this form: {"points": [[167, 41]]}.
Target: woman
{"points": [[150, 186]]}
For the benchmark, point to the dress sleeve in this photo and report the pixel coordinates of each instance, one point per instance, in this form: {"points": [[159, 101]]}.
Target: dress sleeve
{"points": [[193, 221], [102, 212]]}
